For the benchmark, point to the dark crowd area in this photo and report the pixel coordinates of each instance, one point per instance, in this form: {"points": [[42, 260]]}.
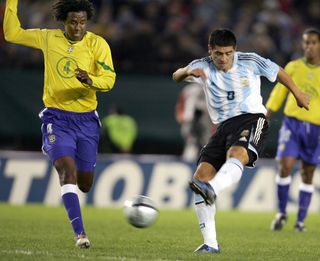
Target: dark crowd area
{"points": [[148, 37], [157, 36]]}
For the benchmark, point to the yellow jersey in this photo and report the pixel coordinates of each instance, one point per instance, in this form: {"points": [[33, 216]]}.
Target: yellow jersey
{"points": [[62, 90], [307, 78]]}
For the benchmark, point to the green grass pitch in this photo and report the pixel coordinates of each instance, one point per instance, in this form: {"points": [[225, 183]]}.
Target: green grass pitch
{"points": [[36, 232]]}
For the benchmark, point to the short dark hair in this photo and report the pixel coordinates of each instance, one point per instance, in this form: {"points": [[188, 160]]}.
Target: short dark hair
{"points": [[63, 7], [222, 37], [312, 30]]}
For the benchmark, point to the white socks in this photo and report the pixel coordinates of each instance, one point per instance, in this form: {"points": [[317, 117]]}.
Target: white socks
{"points": [[283, 181], [229, 174], [207, 222], [306, 187], [68, 188]]}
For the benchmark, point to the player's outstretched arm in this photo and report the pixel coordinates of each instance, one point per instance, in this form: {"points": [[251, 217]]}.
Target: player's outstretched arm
{"points": [[182, 73], [302, 98], [13, 31]]}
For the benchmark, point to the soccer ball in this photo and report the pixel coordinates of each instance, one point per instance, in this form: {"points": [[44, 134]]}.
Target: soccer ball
{"points": [[140, 211]]}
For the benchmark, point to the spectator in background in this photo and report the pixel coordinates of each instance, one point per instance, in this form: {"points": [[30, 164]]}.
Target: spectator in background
{"points": [[163, 25], [193, 117], [120, 131], [299, 137]]}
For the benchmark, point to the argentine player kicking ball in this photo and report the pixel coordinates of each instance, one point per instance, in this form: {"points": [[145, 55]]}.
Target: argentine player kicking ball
{"points": [[78, 63], [231, 83]]}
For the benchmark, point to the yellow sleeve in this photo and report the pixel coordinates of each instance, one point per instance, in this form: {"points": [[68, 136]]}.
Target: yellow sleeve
{"points": [[278, 94], [105, 76], [13, 31]]}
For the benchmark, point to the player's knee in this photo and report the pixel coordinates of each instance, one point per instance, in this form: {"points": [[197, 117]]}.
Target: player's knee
{"points": [[204, 172], [239, 153], [67, 177], [307, 177], [285, 171], [66, 169], [85, 181], [85, 188]]}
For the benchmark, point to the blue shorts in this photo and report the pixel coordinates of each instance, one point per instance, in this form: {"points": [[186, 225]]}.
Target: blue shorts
{"points": [[300, 140], [71, 134]]}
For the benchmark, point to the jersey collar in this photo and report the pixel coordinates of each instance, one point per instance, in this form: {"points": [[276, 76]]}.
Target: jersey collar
{"points": [[235, 61]]}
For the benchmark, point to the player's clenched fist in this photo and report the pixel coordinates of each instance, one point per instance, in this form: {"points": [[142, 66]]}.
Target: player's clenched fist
{"points": [[83, 76]]}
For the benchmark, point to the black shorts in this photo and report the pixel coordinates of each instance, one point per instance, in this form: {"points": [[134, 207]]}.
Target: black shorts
{"points": [[246, 130]]}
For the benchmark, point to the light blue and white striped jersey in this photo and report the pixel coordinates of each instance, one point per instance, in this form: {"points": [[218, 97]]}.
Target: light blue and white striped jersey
{"points": [[237, 91]]}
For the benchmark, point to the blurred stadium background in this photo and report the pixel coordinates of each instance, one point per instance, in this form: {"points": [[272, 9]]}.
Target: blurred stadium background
{"points": [[149, 39]]}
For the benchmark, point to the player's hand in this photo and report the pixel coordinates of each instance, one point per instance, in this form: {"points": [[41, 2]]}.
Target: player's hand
{"points": [[303, 100], [269, 115], [197, 72], [83, 76]]}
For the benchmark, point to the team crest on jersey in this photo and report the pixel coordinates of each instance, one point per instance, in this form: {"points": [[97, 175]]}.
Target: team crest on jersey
{"points": [[52, 138], [244, 82], [66, 67]]}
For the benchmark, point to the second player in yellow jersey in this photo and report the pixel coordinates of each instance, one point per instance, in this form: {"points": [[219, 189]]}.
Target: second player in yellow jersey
{"points": [[307, 77], [299, 136]]}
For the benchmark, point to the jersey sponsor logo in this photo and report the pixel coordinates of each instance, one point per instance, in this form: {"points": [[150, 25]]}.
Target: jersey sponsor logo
{"points": [[66, 67]]}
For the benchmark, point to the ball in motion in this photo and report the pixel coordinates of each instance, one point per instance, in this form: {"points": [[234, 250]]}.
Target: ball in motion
{"points": [[140, 211]]}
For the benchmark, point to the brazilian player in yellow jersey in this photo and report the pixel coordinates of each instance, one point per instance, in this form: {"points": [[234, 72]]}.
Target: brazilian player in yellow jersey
{"points": [[78, 63], [299, 137]]}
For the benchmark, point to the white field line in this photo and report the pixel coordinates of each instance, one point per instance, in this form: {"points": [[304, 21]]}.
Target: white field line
{"points": [[25, 252], [82, 256]]}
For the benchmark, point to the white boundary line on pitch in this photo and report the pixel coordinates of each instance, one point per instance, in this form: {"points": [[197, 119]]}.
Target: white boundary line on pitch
{"points": [[46, 253]]}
